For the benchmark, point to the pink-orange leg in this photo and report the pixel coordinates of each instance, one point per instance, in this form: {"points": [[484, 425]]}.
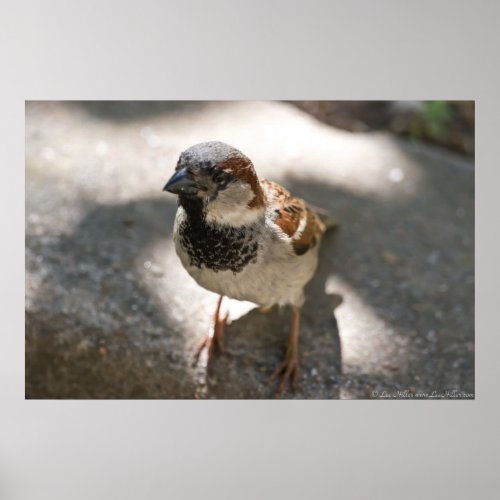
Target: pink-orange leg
{"points": [[213, 339], [290, 366]]}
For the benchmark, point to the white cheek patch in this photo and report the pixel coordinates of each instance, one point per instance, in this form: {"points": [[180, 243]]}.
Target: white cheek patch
{"points": [[231, 206]]}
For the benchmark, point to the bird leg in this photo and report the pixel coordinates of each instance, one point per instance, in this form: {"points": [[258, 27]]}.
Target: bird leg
{"points": [[213, 339], [289, 368]]}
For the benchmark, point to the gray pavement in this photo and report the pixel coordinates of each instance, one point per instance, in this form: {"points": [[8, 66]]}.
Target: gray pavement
{"points": [[111, 313]]}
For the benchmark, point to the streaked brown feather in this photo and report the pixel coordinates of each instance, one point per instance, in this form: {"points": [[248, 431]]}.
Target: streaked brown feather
{"points": [[242, 168], [289, 213]]}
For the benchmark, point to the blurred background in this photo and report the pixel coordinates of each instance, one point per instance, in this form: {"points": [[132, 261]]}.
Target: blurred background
{"points": [[111, 313], [449, 124]]}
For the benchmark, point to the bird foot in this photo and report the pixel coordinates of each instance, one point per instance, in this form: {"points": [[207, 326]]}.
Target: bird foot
{"points": [[288, 370], [212, 341]]}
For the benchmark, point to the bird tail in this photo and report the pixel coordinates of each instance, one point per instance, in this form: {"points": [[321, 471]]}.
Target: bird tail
{"points": [[330, 221]]}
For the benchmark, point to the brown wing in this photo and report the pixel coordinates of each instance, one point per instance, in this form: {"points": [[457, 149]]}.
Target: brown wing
{"points": [[294, 218]]}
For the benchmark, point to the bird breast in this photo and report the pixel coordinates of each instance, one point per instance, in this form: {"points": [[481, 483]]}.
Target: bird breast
{"points": [[253, 264]]}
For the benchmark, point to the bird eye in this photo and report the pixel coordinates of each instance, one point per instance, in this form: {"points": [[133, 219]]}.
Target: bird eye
{"points": [[220, 177]]}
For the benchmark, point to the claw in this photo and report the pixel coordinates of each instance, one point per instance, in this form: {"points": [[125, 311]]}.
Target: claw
{"points": [[212, 341], [289, 369]]}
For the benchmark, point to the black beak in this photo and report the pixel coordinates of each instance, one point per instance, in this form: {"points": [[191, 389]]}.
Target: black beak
{"points": [[181, 183]]}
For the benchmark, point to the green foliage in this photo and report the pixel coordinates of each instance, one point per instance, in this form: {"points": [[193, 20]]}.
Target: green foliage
{"points": [[434, 121], [439, 111]]}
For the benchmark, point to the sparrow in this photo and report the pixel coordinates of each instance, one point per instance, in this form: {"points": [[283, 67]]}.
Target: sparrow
{"points": [[243, 238]]}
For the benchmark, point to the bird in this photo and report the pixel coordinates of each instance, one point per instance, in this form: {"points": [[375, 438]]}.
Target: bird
{"points": [[246, 238]]}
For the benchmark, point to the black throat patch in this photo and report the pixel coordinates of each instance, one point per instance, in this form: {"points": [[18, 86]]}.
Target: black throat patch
{"points": [[217, 248]]}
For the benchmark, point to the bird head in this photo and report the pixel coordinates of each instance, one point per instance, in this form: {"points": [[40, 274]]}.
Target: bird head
{"points": [[223, 179]]}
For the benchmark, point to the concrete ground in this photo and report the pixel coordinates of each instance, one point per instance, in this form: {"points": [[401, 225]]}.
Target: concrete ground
{"points": [[111, 313]]}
